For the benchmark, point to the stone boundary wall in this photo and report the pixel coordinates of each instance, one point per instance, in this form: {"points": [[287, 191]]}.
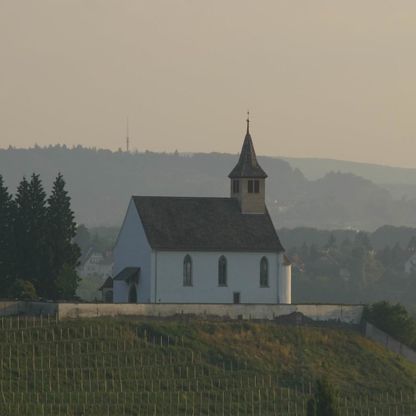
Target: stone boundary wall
{"points": [[379, 336], [342, 313]]}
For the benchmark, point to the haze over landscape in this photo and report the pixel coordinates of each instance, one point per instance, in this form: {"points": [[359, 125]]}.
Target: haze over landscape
{"points": [[207, 208], [322, 79]]}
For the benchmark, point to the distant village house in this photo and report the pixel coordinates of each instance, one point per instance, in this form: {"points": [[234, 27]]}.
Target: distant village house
{"points": [[96, 263]]}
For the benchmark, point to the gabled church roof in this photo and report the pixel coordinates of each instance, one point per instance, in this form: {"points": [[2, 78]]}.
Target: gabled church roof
{"points": [[108, 284], [128, 273], [247, 165], [204, 224]]}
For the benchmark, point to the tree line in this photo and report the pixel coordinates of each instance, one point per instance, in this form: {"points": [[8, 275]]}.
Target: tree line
{"points": [[38, 257], [353, 271]]}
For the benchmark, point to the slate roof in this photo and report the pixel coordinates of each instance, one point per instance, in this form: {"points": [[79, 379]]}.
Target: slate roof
{"points": [[247, 165], [127, 273], [108, 284], [204, 224]]}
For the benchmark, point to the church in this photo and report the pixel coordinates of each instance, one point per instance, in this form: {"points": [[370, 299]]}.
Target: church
{"points": [[202, 249]]}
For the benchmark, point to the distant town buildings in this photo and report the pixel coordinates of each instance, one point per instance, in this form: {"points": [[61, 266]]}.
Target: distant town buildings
{"points": [[410, 265], [96, 263]]}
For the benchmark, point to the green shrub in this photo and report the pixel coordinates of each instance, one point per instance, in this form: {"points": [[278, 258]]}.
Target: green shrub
{"points": [[393, 319], [24, 290]]}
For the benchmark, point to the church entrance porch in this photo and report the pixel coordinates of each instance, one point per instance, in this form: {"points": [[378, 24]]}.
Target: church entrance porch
{"points": [[131, 277], [133, 293]]}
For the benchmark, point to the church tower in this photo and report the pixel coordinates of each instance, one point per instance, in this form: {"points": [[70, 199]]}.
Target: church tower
{"points": [[248, 179]]}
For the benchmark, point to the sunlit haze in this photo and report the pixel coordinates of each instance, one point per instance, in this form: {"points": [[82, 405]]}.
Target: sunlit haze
{"points": [[333, 79]]}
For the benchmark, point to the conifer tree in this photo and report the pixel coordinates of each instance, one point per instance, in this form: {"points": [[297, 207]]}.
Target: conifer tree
{"points": [[64, 253], [22, 227], [7, 250], [31, 248]]}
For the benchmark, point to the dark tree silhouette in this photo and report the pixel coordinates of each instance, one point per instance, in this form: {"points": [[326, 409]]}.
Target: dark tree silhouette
{"points": [[61, 231], [31, 243], [7, 252]]}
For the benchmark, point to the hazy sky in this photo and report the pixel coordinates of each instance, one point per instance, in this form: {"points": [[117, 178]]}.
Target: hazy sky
{"points": [[334, 78]]}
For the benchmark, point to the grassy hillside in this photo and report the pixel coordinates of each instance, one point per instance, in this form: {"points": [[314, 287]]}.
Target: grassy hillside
{"points": [[192, 367]]}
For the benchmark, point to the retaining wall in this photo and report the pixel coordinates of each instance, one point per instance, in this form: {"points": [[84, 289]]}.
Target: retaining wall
{"points": [[390, 343], [342, 313]]}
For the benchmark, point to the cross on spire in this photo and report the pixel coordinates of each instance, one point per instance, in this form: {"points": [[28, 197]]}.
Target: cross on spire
{"points": [[127, 136], [248, 122]]}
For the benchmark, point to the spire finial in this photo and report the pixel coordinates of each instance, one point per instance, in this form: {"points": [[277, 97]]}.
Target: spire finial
{"points": [[248, 122], [127, 136]]}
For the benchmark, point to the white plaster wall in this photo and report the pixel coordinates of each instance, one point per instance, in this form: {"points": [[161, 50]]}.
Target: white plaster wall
{"points": [[243, 275], [285, 283], [120, 291], [132, 250]]}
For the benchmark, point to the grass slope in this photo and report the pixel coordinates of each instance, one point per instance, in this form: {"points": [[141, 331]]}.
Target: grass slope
{"points": [[192, 367]]}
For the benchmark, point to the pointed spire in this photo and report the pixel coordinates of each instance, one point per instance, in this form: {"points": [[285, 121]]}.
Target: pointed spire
{"points": [[247, 166]]}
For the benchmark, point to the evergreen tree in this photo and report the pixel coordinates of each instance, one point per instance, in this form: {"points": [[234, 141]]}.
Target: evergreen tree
{"points": [[362, 240], [31, 248], [6, 240], [22, 230], [64, 253], [332, 242], [83, 238], [66, 283]]}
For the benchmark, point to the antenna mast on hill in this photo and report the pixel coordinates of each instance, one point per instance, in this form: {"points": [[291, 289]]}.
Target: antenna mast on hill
{"points": [[127, 137]]}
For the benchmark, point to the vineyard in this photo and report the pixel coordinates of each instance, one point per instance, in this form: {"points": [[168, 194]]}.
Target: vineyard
{"points": [[191, 367]]}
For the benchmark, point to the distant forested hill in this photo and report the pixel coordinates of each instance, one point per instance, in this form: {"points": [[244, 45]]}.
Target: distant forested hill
{"points": [[314, 168], [401, 182], [101, 182]]}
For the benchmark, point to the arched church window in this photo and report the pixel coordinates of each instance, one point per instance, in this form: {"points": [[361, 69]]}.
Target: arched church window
{"points": [[187, 270], [222, 271], [264, 272]]}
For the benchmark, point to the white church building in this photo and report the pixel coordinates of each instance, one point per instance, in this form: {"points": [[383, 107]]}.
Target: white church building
{"points": [[203, 250]]}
